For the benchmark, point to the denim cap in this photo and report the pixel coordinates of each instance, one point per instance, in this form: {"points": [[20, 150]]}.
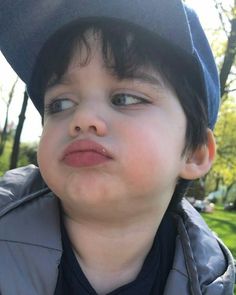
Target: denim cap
{"points": [[26, 25]]}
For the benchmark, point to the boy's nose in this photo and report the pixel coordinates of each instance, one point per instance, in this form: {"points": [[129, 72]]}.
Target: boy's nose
{"points": [[87, 120]]}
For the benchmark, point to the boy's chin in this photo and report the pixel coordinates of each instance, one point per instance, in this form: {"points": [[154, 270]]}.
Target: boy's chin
{"points": [[98, 192]]}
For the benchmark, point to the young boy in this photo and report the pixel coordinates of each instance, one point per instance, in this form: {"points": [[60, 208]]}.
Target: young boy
{"points": [[129, 94]]}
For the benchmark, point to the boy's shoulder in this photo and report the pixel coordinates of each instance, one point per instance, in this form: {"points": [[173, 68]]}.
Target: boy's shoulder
{"points": [[196, 232], [29, 212], [205, 254], [19, 185], [29, 233]]}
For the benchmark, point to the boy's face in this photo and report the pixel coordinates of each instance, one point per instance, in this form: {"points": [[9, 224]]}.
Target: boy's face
{"points": [[139, 126]]}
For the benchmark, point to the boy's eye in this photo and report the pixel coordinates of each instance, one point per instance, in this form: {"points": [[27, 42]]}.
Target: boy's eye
{"points": [[59, 105], [124, 99]]}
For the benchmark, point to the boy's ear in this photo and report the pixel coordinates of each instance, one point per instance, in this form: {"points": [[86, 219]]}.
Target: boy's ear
{"points": [[199, 162]]}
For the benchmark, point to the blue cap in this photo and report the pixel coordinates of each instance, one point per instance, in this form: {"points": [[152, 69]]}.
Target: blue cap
{"points": [[26, 25]]}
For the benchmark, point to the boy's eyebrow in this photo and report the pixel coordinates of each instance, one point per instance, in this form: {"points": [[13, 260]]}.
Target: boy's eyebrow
{"points": [[138, 75], [55, 82], [145, 77]]}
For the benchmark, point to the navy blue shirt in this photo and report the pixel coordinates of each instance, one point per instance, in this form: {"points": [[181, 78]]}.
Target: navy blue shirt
{"points": [[150, 281]]}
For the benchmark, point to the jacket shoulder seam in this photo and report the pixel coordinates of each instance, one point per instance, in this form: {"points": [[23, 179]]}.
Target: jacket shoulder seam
{"points": [[14, 204], [29, 244]]}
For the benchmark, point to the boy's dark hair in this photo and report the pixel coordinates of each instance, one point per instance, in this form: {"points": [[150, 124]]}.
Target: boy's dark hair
{"points": [[125, 49]]}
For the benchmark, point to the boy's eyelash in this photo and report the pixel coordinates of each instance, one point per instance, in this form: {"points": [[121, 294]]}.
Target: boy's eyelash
{"points": [[50, 107], [47, 108], [140, 99]]}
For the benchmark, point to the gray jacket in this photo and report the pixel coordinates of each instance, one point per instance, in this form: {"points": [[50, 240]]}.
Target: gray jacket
{"points": [[30, 244]]}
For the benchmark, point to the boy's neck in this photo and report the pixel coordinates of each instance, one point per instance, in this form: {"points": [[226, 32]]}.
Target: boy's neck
{"points": [[111, 256]]}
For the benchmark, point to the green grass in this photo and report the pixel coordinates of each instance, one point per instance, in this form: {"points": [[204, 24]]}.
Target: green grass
{"points": [[223, 223]]}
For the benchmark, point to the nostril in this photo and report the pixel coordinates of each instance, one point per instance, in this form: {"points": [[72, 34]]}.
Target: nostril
{"points": [[77, 128], [93, 128], [87, 123]]}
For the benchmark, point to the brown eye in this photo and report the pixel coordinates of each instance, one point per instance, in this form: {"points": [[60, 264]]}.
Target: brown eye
{"points": [[125, 99], [59, 105]]}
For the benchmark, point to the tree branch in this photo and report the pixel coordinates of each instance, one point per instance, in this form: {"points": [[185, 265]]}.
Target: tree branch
{"points": [[229, 57], [219, 9]]}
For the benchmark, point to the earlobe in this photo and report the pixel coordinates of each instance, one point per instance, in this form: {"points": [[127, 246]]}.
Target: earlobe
{"points": [[199, 162]]}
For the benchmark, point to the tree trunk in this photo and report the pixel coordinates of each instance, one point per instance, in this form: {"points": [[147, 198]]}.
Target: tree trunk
{"points": [[16, 145], [4, 133], [227, 192], [217, 183], [229, 58]]}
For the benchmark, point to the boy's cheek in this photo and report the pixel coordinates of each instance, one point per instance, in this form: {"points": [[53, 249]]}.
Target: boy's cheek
{"points": [[150, 164], [48, 149]]}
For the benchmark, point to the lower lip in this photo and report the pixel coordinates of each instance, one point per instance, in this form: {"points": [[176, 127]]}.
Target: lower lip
{"points": [[85, 159]]}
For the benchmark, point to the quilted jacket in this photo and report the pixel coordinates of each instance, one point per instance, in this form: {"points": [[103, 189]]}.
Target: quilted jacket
{"points": [[30, 243]]}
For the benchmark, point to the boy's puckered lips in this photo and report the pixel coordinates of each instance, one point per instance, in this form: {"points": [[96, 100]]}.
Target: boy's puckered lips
{"points": [[85, 153]]}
